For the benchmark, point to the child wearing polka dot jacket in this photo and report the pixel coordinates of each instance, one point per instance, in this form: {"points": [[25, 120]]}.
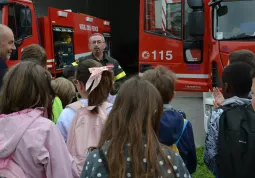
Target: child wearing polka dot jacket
{"points": [[129, 145]]}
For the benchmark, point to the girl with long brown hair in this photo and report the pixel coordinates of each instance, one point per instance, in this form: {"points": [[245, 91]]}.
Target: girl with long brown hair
{"points": [[31, 145], [129, 146]]}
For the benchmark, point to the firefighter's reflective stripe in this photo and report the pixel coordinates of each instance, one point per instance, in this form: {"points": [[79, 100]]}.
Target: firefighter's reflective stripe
{"points": [[74, 64], [120, 75]]}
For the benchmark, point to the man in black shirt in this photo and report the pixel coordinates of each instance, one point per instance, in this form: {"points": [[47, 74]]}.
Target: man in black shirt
{"points": [[97, 45], [6, 48]]}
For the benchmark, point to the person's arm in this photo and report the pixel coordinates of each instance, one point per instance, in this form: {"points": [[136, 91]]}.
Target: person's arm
{"points": [[119, 76], [64, 121], [211, 142], [53, 154], [190, 156], [57, 108]]}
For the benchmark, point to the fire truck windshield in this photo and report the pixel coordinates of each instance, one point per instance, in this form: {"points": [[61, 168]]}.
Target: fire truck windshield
{"points": [[237, 22]]}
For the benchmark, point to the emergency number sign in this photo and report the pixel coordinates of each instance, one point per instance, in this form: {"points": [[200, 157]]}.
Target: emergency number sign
{"points": [[162, 54]]}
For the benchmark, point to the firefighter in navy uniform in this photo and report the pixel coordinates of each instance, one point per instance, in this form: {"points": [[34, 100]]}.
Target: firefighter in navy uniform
{"points": [[97, 45]]}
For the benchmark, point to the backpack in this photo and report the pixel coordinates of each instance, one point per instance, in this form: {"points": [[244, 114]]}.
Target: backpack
{"points": [[85, 131], [236, 157], [174, 146], [185, 123]]}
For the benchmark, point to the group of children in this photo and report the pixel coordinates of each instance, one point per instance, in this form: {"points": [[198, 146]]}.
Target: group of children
{"points": [[48, 130]]}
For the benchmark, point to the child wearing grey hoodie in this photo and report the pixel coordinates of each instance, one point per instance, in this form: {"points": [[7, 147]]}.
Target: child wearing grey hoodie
{"points": [[236, 86]]}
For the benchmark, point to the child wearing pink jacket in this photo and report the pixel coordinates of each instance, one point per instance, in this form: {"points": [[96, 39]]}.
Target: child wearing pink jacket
{"points": [[28, 139]]}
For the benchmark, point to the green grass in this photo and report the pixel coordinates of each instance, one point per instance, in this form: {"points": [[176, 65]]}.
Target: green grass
{"points": [[201, 171]]}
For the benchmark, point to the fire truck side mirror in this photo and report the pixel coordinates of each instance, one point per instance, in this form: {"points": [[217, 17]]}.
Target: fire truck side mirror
{"points": [[222, 10], [196, 24], [196, 18], [195, 4]]}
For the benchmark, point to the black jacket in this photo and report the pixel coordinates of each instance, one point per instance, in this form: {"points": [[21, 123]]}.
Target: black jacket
{"points": [[3, 70]]}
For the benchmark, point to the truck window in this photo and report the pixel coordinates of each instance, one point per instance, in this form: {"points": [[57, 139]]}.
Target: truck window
{"points": [[186, 27], [192, 48], [63, 39], [20, 21], [237, 23], [163, 18]]}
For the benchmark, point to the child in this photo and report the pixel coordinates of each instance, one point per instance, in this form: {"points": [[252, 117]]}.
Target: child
{"points": [[69, 73], [129, 146], [94, 85], [34, 53], [236, 85], [65, 92], [94, 98], [245, 56], [173, 128], [29, 139]]}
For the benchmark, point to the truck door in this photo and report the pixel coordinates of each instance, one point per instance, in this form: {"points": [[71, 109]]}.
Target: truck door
{"points": [[19, 18], [164, 40]]}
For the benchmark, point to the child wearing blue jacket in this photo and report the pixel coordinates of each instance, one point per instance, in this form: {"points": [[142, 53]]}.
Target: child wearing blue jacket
{"points": [[174, 127]]}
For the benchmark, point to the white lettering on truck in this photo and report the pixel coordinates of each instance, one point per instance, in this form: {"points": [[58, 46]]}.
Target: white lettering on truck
{"points": [[158, 55], [88, 27]]}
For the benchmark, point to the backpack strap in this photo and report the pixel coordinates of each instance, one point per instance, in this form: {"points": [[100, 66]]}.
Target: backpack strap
{"points": [[76, 105], [184, 126], [102, 107], [106, 105]]}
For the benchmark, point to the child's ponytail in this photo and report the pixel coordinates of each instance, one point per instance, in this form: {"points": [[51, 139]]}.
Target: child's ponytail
{"points": [[98, 86]]}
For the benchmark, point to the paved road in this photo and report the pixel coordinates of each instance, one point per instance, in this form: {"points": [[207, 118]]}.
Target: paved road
{"points": [[192, 104]]}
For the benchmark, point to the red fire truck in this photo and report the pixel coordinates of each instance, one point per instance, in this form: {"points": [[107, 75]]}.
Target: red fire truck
{"points": [[192, 37], [62, 33]]}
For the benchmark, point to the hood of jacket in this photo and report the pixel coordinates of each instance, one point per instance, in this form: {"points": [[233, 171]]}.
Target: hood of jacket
{"points": [[236, 101], [12, 128]]}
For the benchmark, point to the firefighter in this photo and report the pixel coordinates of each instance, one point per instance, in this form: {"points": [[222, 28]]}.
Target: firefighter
{"points": [[6, 48], [97, 45]]}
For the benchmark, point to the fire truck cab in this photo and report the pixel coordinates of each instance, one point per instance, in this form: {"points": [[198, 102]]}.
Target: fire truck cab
{"points": [[201, 35], [62, 33], [191, 37]]}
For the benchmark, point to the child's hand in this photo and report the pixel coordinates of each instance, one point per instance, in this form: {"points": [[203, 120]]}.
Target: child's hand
{"points": [[218, 98]]}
